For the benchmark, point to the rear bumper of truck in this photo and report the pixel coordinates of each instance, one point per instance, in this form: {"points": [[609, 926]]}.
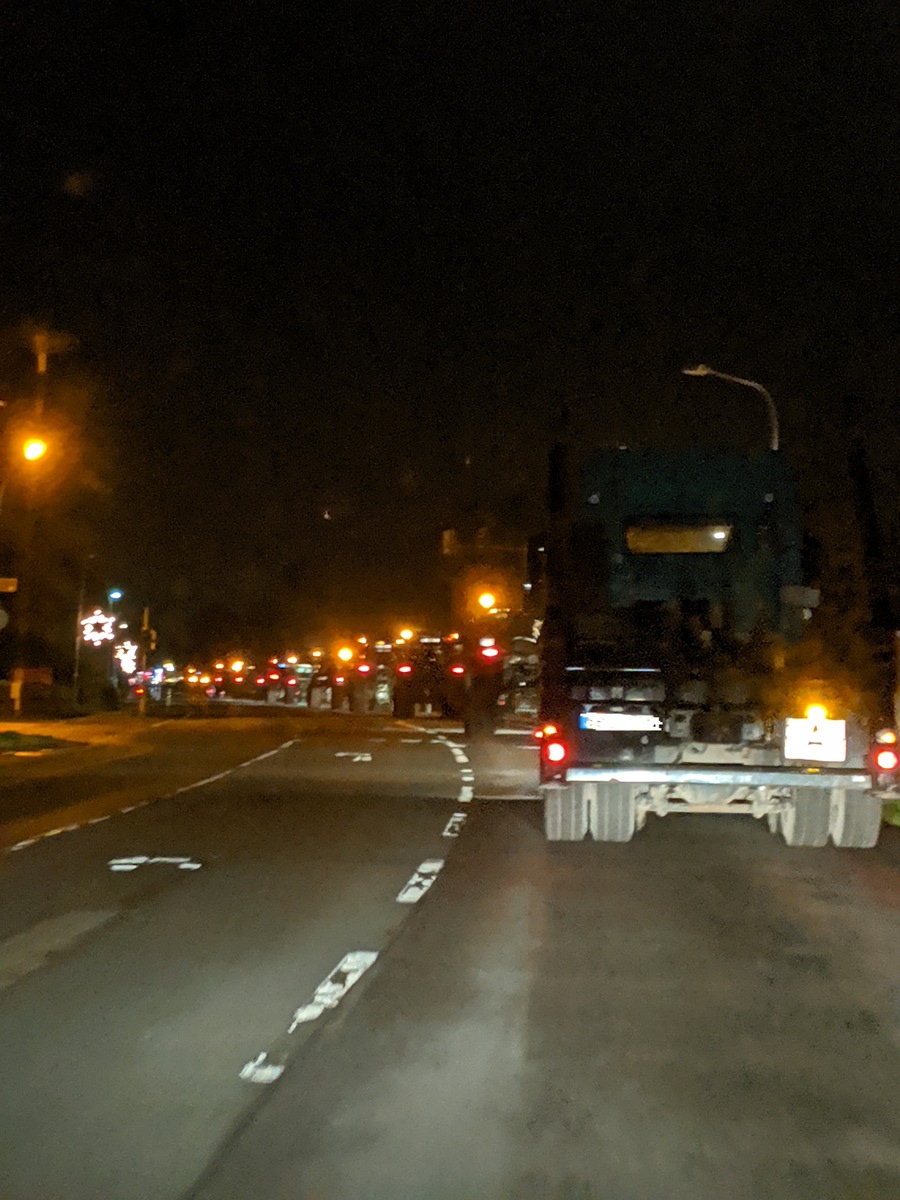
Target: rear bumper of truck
{"points": [[851, 778]]}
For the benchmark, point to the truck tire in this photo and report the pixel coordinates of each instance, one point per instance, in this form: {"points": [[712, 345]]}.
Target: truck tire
{"points": [[855, 819], [805, 820], [613, 812], [565, 814]]}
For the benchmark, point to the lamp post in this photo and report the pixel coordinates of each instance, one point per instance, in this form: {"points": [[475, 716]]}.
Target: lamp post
{"points": [[703, 369]]}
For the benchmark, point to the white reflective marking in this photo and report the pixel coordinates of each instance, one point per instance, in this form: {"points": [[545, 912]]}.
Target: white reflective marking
{"points": [[513, 733], [132, 862], [335, 986], [21, 845], [535, 748], [354, 755], [203, 782], [467, 774], [466, 792], [130, 808], [411, 741], [420, 881], [454, 825], [260, 1070], [455, 729], [97, 820], [53, 832], [27, 951]]}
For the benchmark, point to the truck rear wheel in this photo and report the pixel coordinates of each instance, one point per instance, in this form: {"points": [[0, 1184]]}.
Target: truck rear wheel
{"points": [[565, 814], [855, 819], [806, 818], [613, 812]]}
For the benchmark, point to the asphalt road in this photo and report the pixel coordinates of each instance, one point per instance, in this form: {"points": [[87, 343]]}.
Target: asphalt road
{"points": [[701, 1014]]}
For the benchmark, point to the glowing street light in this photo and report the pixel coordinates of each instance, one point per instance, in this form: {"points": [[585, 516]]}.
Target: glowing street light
{"points": [[406, 635], [237, 665], [34, 448], [345, 654], [487, 600]]}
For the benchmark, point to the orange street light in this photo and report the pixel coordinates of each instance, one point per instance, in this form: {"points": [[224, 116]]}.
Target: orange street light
{"points": [[34, 448]]}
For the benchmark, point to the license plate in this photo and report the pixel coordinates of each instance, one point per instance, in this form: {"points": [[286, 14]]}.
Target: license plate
{"points": [[615, 722], [814, 740]]}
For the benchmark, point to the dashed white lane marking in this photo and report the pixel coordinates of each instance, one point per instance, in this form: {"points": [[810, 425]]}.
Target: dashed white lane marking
{"points": [[143, 803], [466, 792], [327, 995], [26, 952], [411, 741], [513, 733], [354, 756], [454, 825], [420, 881]]}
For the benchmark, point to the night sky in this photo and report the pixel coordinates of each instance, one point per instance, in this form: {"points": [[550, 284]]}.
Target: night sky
{"points": [[354, 263]]}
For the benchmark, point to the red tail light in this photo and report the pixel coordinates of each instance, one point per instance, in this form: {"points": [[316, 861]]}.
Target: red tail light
{"points": [[292, 682], [555, 751], [338, 679], [139, 691], [364, 668], [260, 679], [457, 669], [887, 759], [490, 652], [404, 669], [274, 675], [238, 679]]}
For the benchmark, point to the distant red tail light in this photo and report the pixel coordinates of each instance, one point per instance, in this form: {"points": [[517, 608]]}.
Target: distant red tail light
{"points": [[887, 759], [291, 682], [364, 668], [490, 652], [338, 679], [260, 679], [404, 669], [274, 675], [457, 669], [139, 691], [555, 751]]}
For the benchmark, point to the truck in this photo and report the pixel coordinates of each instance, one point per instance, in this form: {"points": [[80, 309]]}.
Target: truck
{"points": [[681, 667]]}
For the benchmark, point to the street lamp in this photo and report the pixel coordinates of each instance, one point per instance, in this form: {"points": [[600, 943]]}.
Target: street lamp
{"points": [[703, 369], [34, 448], [487, 600]]}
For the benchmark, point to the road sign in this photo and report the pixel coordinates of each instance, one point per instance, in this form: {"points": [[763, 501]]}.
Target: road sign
{"points": [[9, 585]]}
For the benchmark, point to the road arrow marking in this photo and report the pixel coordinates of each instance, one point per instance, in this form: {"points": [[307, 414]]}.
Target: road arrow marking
{"points": [[260, 1070], [354, 756], [134, 861], [335, 986]]}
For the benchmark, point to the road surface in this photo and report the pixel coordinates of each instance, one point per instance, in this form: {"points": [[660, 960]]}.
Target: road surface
{"points": [[244, 1007]]}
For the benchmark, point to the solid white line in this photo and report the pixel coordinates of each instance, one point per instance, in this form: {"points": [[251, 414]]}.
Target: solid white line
{"points": [[97, 820], [21, 845], [513, 733]]}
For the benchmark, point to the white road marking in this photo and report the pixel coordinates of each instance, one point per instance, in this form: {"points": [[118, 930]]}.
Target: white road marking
{"points": [[327, 995], [513, 733], [260, 1070], [132, 862], [411, 741], [526, 747], [26, 952], [454, 825], [94, 821], [354, 755], [335, 986], [466, 792], [21, 845], [420, 881], [224, 774]]}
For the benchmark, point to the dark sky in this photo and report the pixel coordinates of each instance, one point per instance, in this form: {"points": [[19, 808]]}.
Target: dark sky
{"points": [[353, 263]]}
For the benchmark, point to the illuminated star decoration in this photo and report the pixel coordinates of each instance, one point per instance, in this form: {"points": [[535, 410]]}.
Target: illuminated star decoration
{"points": [[98, 627]]}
